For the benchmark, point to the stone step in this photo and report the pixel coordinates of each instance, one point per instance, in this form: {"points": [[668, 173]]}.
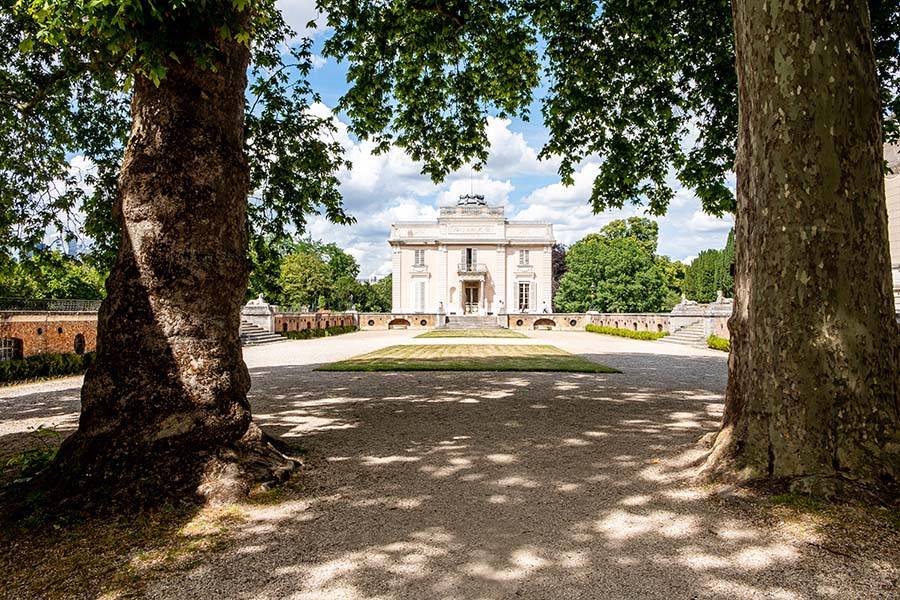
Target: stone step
{"points": [[475, 322], [253, 335]]}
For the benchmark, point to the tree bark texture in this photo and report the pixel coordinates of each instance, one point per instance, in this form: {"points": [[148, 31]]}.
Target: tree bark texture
{"points": [[812, 394], [164, 408]]}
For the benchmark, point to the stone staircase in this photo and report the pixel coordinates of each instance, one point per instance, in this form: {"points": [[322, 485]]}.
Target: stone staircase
{"points": [[254, 335], [471, 322], [692, 335]]}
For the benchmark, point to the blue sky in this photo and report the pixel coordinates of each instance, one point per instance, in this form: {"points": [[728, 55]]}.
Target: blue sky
{"points": [[380, 190]]}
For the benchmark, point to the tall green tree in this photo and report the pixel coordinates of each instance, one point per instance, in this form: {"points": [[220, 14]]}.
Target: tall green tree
{"points": [[795, 95], [185, 107], [701, 276], [612, 272], [304, 278], [642, 229], [724, 277], [673, 271], [50, 274]]}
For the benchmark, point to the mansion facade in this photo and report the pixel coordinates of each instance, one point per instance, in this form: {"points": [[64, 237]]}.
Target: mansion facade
{"points": [[472, 261]]}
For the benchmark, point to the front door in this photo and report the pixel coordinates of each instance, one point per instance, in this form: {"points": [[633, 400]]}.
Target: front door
{"points": [[471, 299]]}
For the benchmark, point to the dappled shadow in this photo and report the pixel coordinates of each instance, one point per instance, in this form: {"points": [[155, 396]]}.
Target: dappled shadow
{"points": [[496, 485], [499, 485]]}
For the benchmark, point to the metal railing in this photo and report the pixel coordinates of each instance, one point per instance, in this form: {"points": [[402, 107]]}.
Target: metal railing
{"points": [[48, 305], [472, 268]]}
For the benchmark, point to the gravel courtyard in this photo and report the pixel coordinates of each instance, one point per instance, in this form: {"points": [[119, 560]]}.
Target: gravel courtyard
{"points": [[497, 485]]}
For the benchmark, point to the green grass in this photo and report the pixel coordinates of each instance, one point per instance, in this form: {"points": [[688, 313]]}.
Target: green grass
{"points": [[636, 335], [472, 333], [469, 357]]}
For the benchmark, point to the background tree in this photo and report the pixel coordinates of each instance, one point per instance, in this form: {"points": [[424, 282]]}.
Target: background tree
{"points": [[627, 81], [673, 271], [724, 277], [558, 269], [304, 278], [700, 284], [643, 230], [50, 274], [710, 273], [613, 271], [164, 409], [382, 295]]}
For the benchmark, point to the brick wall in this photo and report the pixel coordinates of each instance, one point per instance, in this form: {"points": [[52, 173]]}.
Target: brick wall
{"points": [[46, 332], [300, 321]]}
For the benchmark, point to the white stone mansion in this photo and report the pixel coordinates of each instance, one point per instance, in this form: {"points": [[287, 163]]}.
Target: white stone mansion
{"points": [[471, 261]]}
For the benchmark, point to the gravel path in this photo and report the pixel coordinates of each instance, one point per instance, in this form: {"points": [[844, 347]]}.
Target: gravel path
{"points": [[486, 485]]}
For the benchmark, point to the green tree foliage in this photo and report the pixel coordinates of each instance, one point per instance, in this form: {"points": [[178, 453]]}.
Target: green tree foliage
{"points": [[558, 269], [724, 273], [612, 271], [50, 274], [710, 273], [645, 231], [382, 291], [629, 81], [312, 274], [700, 283], [66, 71], [674, 272], [304, 279]]}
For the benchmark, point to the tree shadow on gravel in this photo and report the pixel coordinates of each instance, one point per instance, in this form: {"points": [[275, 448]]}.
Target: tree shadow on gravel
{"points": [[500, 485], [456, 485]]}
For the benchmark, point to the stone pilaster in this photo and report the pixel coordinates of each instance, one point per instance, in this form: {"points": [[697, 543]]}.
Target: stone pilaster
{"points": [[500, 281], [397, 280]]}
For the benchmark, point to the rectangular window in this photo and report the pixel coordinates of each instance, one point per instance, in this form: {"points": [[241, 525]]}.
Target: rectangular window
{"points": [[419, 257], [524, 259], [524, 296], [471, 257]]}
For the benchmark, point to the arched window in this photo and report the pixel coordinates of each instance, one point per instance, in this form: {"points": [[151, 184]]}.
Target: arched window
{"points": [[79, 343]]}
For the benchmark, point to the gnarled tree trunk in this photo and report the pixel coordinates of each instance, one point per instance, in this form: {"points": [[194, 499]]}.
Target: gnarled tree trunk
{"points": [[813, 374], [164, 407]]}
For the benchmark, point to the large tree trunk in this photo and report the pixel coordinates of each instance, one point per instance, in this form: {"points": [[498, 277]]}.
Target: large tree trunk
{"points": [[164, 408], [812, 393]]}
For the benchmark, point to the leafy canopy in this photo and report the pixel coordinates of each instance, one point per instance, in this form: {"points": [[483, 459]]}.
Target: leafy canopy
{"points": [[612, 271], [66, 71], [649, 86]]}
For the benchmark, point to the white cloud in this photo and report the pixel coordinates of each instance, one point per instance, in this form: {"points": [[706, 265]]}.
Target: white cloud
{"points": [[297, 13], [318, 61], [702, 222], [510, 153], [568, 208]]}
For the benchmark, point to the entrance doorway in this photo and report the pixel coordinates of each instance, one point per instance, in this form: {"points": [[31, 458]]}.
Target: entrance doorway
{"points": [[471, 299]]}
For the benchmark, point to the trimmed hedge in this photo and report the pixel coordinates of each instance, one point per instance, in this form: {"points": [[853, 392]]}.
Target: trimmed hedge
{"points": [[305, 334], [44, 365], [637, 335], [717, 343]]}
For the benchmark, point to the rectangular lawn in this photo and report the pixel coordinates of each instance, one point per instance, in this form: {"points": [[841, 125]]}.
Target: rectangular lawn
{"points": [[469, 357], [472, 333]]}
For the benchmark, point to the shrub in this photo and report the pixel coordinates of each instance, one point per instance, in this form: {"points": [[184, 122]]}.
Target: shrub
{"points": [[44, 365], [637, 335], [305, 334], [717, 343]]}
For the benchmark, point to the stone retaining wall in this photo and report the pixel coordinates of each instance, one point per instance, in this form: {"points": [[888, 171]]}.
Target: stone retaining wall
{"points": [[283, 322], [555, 321], [373, 321], [49, 332]]}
